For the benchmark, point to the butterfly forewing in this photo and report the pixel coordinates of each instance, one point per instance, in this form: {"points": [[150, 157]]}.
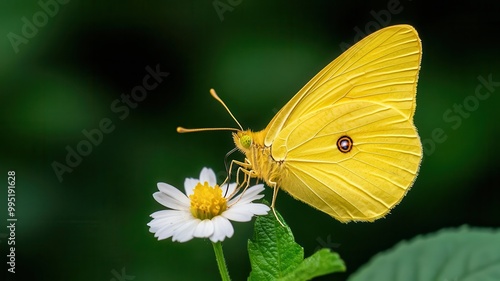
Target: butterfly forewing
{"points": [[383, 67]]}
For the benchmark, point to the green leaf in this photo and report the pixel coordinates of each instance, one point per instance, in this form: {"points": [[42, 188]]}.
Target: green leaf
{"points": [[320, 263], [273, 251], [274, 255], [463, 254]]}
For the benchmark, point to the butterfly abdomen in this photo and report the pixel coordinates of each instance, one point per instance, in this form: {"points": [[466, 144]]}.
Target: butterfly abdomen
{"points": [[264, 166]]}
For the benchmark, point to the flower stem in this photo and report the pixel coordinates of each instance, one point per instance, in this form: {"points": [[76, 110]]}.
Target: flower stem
{"points": [[221, 262]]}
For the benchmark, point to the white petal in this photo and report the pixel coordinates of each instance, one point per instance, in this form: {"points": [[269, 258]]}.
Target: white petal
{"points": [[167, 218], [228, 190], [253, 192], [185, 232], [208, 175], [167, 222], [237, 214], [171, 197], [205, 229], [161, 213], [166, 214], [189, 185], [245, 212], [170, 202], [249, 195], [222, 229], [163, 233], [259, 209], [164, 228], [166, 232]]}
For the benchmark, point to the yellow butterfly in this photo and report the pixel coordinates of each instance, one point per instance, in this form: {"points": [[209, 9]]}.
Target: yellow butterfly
{"points": [[345, 143]]}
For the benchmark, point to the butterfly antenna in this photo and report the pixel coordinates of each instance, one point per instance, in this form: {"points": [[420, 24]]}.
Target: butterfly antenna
{"points": [[185, 130], [216, 97]]}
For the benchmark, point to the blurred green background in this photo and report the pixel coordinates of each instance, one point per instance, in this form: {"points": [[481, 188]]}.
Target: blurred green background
{"points": [[68, 71]]}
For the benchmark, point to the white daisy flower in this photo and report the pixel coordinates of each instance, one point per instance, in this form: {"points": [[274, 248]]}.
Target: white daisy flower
{"points": [[205, 210]]}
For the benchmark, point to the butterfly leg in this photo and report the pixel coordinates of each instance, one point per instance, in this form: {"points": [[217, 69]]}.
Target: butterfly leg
{"points": [[246, 182], [248, 175], [228, 177], [275, 194], [243, 168]]}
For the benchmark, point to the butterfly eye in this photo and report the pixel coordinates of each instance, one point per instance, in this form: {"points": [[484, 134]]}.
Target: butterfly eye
{"points": [[246, 141], [344, 144]]}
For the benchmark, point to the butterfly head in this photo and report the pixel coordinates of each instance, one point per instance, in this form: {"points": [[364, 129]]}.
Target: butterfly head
{"points": [[243, 140]]}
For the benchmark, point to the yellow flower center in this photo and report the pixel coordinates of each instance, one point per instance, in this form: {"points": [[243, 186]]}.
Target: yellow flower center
{"points": [[207, 202]]}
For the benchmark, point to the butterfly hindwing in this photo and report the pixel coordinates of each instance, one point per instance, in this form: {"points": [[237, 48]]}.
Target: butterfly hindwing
{"points": [[363, 183]]}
